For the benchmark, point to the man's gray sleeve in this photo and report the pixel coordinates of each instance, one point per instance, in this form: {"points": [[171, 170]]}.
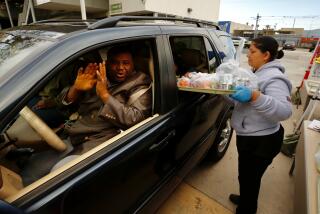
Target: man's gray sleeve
{"points": [[124, 115]]}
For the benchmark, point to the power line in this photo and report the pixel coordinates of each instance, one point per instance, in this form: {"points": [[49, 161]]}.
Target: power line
{"points": [[283, 18]]}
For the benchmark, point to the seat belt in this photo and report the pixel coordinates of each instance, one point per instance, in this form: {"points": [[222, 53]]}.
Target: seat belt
{"points": [[138, 94]]}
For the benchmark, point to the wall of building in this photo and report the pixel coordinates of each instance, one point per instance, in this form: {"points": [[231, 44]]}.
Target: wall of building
{"points": [[204, 10], [117, 7], [237, 26], [297, 31], [312, 33], [72, 5]]}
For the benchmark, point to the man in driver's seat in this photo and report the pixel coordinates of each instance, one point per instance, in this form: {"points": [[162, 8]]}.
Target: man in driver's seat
{"points": [[108, 101]]}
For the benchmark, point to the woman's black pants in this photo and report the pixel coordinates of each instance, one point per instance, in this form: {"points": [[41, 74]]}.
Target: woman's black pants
{"points": [[255, 155]]}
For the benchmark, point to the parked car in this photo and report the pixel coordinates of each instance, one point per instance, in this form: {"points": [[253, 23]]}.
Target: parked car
{"points": [[136, 170], [236, 40], [247, 42], [290, 45]]}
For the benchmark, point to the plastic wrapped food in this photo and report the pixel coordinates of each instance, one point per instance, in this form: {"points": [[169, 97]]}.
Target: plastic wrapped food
{"points": [[228, 76], [203, 81], [183, 82]]}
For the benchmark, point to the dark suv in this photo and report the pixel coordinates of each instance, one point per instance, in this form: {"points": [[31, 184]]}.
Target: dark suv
{"points": [[135, 170]]}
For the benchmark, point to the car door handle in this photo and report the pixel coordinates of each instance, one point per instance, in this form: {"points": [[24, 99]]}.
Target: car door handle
{"points": [[163, 142]]}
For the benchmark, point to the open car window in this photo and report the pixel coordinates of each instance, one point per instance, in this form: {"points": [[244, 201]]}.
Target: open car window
{"points": [[51, 134], [189, 54]]}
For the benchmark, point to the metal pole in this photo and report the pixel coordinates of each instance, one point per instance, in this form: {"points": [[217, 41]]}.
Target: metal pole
{"points": [[83, 9], [294, 22], [9, 14], [32, 11], [256, 28]]}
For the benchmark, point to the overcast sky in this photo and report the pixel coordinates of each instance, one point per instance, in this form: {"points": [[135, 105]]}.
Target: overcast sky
{"points": [[273, 12]]}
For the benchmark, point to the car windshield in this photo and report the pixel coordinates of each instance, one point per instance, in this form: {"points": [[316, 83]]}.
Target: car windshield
{"points": [[19, 45]]}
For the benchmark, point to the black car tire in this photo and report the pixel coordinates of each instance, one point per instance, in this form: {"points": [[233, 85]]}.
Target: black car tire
{"points": [[222, 140]]}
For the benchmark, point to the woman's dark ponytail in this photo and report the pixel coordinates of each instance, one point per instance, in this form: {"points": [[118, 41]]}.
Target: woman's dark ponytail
{"points": [[280, 54]]}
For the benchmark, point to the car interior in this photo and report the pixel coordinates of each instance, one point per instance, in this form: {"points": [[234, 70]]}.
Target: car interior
{"points": [[29, 145]]}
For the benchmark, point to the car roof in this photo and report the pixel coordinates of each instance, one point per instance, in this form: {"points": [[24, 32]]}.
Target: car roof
{"points": [[70, 26]]}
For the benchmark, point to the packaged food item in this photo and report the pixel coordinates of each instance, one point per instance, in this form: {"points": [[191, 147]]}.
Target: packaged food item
{"points": [[230, 71], [183, 82], [225, 82], [202, 80], [228, 76]]}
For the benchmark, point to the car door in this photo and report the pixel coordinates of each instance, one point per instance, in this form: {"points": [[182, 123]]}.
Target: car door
{"points": [[122, 181], [115, 179], [198, 115]]}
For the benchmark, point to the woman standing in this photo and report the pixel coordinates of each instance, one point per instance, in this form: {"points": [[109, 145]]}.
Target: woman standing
{"points": [[256, 120]]}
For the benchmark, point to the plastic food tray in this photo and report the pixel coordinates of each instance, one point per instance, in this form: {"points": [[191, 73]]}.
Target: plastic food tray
{"points": [[206, 90]]}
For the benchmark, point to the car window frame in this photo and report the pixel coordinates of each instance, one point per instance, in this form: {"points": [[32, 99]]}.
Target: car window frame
{"points": [[213, 46], [39, 186], [215, 50], [187, 35], [50, 74]]}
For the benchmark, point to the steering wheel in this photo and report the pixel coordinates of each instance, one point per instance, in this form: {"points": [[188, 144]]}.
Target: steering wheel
{"points": [[43, 129]]}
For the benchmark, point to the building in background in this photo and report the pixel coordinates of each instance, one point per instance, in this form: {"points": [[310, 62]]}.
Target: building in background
{"points": [[231, 27], [92, 6], [295, 31], [207, 10], [312, 33], [301, 38]]}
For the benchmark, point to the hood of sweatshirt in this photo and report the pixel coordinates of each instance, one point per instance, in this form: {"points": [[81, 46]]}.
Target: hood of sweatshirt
{"points": [[273, 64], [269, 72]]}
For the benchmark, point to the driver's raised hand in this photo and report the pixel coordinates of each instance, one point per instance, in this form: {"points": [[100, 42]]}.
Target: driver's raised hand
{"points": [[86, 79], [101, 87]]}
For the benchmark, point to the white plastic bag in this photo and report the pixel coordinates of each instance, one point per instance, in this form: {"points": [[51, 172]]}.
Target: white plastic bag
{"points": [[230, 74]]}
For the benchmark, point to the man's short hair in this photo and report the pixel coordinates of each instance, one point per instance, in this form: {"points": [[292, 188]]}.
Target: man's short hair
{"points": [[119, 49]]}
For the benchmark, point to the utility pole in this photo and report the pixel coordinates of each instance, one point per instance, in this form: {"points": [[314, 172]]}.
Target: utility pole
{"points": [[256, 28], [294, 22]]}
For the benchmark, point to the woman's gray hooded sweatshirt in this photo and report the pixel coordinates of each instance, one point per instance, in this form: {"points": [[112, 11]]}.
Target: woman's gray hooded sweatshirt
{"points": [[263, 116]]}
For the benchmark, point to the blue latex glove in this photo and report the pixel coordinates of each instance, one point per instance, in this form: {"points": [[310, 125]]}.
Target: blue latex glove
{"points": [[243, 94]]}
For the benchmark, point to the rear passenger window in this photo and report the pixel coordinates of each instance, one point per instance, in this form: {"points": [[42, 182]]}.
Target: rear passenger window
{"points": [[189, 55], [229, 47]]}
